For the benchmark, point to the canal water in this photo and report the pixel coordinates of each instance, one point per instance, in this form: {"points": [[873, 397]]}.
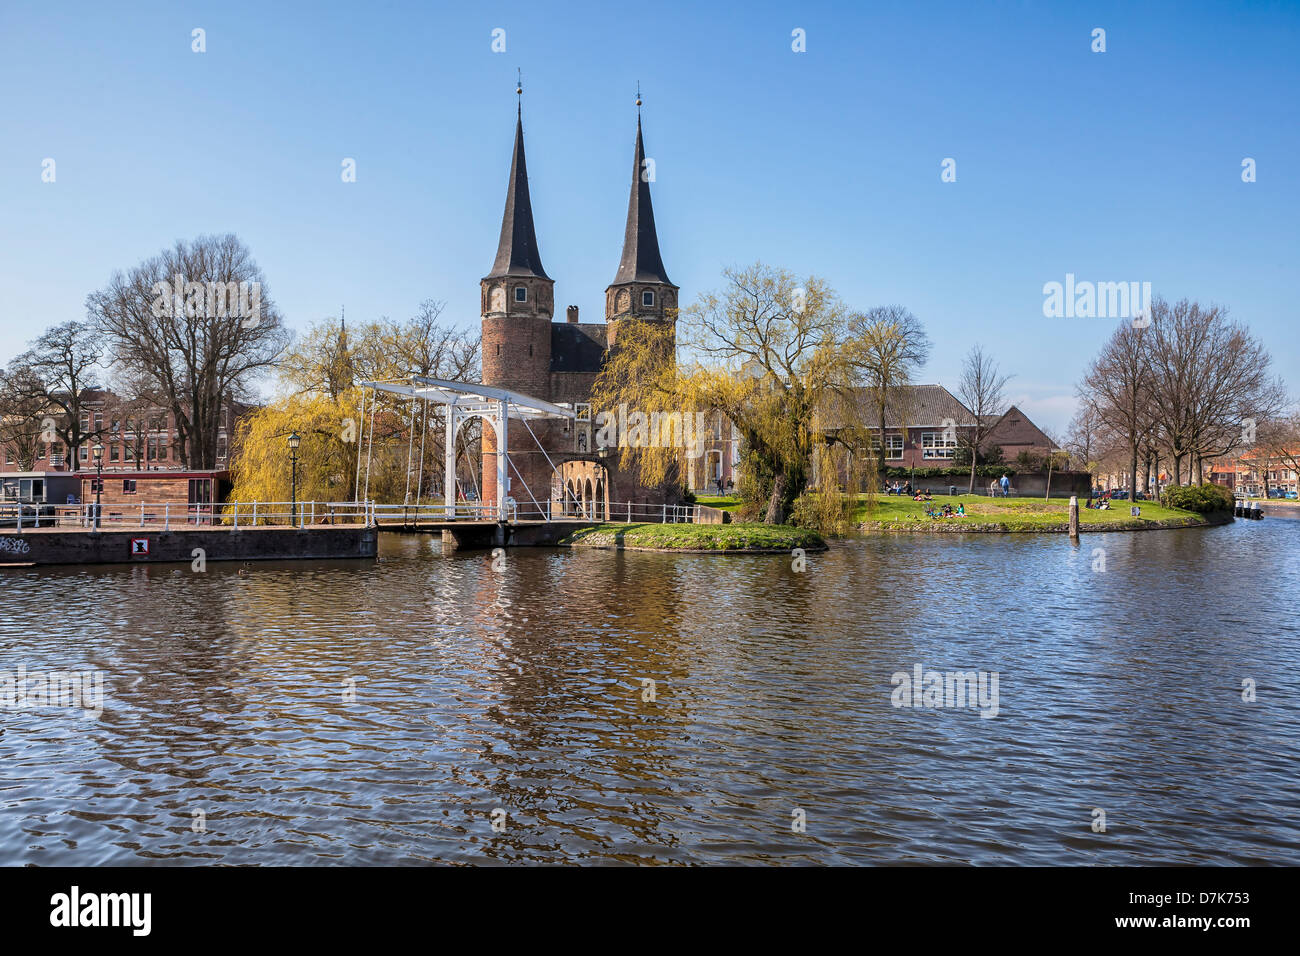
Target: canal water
{"points": [[427, 708]]}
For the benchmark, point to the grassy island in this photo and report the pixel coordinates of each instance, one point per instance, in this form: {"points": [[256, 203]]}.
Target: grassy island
{"points": [[892, 513], [712, 538]]}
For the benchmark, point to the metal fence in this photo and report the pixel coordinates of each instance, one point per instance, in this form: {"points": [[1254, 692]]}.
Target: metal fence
{"points": [[248, 514]]}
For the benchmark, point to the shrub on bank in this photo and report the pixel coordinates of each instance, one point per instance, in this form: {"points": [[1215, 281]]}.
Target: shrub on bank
{"points": [[827, 513], [696, 537], [1200, 499]]}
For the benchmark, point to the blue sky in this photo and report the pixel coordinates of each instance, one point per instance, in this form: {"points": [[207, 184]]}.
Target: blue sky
{"points": [[1115, 166]]}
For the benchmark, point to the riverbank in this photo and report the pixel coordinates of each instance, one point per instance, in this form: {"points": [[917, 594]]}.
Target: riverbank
{"points": [[1011, 515], [185, 543], [704, 538]]}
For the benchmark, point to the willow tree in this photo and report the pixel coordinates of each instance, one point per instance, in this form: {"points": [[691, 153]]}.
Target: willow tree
{"points": [[769, 352], [326, 458], [322, 399]]}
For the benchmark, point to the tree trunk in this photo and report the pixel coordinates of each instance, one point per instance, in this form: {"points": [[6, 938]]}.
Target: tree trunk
{"points": [[882, 439], [777, 506], [1133, 472]]}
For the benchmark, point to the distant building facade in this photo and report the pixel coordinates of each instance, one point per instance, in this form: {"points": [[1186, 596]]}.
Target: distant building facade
{"points": [[141, 460]]}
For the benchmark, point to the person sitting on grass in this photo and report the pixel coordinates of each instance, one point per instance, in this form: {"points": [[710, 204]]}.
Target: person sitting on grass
{"points": [[961, 509]]}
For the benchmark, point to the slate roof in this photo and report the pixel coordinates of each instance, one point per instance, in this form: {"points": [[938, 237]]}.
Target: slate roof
{"points": [[517, 252], [641, 261], [914, 406]]}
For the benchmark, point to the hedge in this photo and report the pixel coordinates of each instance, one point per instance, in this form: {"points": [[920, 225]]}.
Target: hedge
{"points": [[1200, 499], [930, 474]]}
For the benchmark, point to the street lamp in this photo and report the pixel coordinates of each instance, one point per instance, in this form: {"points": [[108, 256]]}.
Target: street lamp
{"points": [[98, 452], [294, 441]]}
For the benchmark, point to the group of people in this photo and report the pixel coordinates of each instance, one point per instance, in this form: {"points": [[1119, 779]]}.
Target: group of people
{"points": [[947, 511], [905, 488]]}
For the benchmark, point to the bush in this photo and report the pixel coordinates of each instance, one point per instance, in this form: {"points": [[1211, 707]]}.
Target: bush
{"points": [[827, 513], [1200, 499]]}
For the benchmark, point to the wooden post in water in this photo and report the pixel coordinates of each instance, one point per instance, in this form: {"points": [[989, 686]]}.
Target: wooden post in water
{"points": [[1074, 516]]}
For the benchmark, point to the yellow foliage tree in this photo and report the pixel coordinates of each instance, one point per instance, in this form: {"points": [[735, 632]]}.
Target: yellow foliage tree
{"points": [[321, 399], [775, 356]]}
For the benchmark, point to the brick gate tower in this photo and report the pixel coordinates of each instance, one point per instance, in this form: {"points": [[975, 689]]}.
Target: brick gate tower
{"points": [[524, 351], [517, 305], [641, 288]]}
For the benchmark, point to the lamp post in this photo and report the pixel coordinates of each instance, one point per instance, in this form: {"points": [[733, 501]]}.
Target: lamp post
{"points": [[98, 452], [294, 441]]}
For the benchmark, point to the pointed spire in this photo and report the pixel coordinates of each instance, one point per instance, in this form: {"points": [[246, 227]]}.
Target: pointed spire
{"points": [[517, 253], [641, 261]]}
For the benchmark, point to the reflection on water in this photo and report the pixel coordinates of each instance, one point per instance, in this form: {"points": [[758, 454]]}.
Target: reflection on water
{"points": [[474, 690]]}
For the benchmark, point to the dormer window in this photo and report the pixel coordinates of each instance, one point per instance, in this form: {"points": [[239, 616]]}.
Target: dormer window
{"points": [[521, 293], [648, 299]]}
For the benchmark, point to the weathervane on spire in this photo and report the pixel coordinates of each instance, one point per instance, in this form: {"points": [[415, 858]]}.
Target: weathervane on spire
{"points": [[638, 96]]}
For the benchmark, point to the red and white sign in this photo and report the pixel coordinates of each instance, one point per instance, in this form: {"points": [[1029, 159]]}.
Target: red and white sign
{"points": [[139, 546]]}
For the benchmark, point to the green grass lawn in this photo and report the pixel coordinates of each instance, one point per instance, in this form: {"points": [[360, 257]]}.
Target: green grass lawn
{"points": [[697, 537], [900, 513], [722, 502]]}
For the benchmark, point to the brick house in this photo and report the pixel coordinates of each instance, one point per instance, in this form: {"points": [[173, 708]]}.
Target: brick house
{"points": [[189, 495], [135, 438], [141, 460], [926, 424], [1246, 475]]}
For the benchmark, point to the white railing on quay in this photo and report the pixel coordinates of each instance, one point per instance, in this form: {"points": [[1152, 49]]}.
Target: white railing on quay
{"points": [[237, 515]]}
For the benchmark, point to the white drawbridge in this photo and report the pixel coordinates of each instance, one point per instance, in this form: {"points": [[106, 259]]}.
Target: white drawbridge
{"points": [[461, 402]]}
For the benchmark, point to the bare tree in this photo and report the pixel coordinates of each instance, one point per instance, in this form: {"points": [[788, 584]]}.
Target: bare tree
{"points": [[1119, 383], [888, 345], [981, 388], [1058, 457], [1083, 436], [24, 416], [137, 401], [61, 373], [173, 320], [1210, 382]]}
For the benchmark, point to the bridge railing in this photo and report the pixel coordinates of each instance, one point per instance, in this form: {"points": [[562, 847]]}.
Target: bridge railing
{"points": [[237, 515], [417, 514], [168, 515], [615, 511]]}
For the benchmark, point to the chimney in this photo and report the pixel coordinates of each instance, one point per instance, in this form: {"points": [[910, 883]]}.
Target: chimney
{"points": [[572, 314]]}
